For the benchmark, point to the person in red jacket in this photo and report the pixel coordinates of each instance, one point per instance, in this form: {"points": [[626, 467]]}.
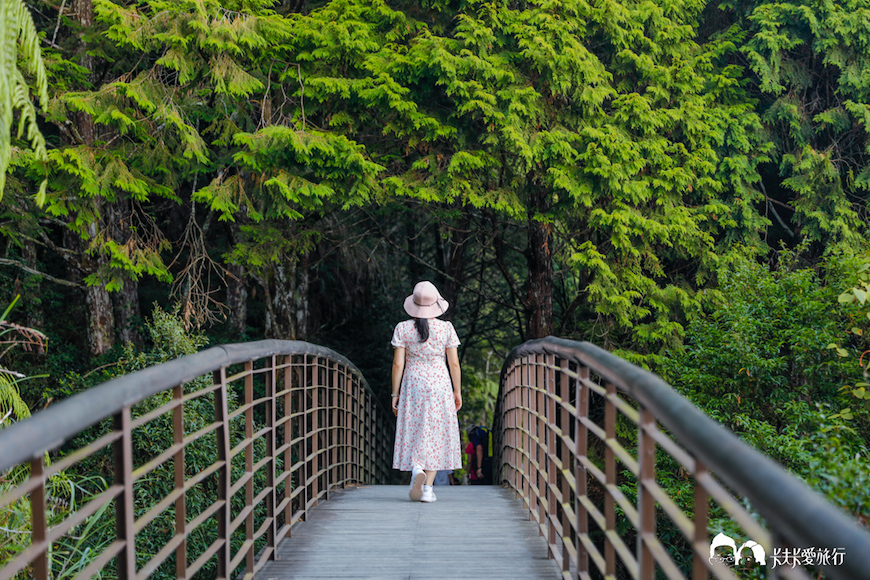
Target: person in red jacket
{"points": [[479, 462]]}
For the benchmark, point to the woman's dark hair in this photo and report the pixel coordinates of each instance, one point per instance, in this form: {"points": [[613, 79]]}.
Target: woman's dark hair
{"points": [[422, 325]]}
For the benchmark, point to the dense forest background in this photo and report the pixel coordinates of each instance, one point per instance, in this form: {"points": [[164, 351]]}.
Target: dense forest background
{"points": [[682, 182]]}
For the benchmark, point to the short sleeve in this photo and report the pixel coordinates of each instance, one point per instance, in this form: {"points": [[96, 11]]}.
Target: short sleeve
{"points": [[397, 340], [452, 338]]}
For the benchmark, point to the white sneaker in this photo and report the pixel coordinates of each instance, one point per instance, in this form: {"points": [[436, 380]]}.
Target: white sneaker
{"points": [[418, 477], [428, 494]]}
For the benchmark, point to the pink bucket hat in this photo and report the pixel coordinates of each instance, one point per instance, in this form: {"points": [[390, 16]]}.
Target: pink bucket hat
{"points": [[425, 302]]}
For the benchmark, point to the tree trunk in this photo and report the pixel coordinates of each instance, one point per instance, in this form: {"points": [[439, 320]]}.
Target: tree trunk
{"points": [[415, 268], [237, 286], [128, 313], [237, 299], [126, 302], [101, 321], [280, 318], [454, 265], [287, 300], [300, 298], [84, 13], [538, 303]]}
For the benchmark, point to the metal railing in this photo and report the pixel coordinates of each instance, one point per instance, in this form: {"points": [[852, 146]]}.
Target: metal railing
{"points": [[291, 422], [597, 499]]}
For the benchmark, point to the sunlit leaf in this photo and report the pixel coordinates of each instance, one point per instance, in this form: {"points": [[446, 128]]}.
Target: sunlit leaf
{"points": [[846, 298]]}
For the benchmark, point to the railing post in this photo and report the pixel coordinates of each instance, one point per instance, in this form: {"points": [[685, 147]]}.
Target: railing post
{"points": [[178, 469], [39, 527], [304, 436], [513, 434], [581, 445], [550, 463], [315, 427], [344, 423], [249, 466], [271, 450], [564, 488], [505, 420], [511, 429], [370, 445], [333, 429], [221, 413], [610, 479], [363, 437], [646, 509], [366, 440], [356, 431], [700, 538], [347, 428], [122, 452], [540, 436], [527, 493], [351, 430], [288, 438]]}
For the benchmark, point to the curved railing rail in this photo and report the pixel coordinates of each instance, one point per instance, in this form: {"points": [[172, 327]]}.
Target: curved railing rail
{"points": [[555, 393], [289, 422]]}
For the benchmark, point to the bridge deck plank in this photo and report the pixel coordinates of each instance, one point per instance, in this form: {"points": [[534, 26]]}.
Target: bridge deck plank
{"points": [[476, 532]]}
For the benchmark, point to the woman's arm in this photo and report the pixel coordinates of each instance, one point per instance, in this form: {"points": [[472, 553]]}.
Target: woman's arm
{"points": [[398, 371], [455, 375]]}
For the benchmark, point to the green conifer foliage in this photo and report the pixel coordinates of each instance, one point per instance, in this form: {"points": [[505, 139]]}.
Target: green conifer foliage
{"points": [[624, 149], [811, 62], [185, 78]]}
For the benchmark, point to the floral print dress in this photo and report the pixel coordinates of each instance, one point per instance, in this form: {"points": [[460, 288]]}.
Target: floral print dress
{"points": [[427, 431]]}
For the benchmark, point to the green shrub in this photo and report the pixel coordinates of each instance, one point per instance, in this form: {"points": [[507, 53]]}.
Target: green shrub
{"points": [[168, 341], [759, 363]]}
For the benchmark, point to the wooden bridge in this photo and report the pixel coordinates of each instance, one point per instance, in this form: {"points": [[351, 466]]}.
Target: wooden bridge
{"points": [[289, 477], [375, 532]]}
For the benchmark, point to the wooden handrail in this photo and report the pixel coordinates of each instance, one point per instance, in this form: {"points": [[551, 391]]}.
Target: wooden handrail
{"points": [[560, 442], [297, 416]]}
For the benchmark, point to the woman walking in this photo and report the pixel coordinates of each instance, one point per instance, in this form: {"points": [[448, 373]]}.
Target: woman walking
{"points": [[426, 392]]}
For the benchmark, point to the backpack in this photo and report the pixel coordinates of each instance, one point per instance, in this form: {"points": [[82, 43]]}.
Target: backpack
{"points": [[485, 437]]}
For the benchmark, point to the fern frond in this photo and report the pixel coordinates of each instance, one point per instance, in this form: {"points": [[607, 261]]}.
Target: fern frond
{"points": [[10, 398], [19, 41]]}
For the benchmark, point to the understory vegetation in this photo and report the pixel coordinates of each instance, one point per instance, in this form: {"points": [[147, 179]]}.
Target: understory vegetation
{"points": [[780, 359]]}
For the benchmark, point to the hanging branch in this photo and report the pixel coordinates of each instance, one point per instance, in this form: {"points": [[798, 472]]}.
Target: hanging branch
{"points": [[770, 203], [29, 270], [193, 285]]}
